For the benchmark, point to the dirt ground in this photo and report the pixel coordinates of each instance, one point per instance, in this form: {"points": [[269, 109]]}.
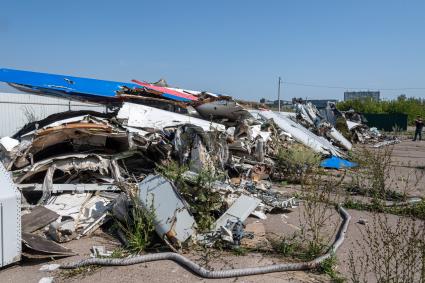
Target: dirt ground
{"points": [[407, 156]]}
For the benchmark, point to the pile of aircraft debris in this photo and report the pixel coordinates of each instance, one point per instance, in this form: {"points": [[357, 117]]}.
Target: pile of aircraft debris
{"points": [[79, 170]]}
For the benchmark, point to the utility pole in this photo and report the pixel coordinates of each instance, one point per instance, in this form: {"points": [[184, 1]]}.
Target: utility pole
{"points": [[278, 91]]}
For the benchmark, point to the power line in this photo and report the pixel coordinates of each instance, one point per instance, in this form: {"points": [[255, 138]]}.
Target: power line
{"points": [[343, 87]]}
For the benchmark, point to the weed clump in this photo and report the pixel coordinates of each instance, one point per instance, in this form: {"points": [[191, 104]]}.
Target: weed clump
{"points": [[390, 251], [373, 177], [138, 228], [296, 161], [328, 267]]}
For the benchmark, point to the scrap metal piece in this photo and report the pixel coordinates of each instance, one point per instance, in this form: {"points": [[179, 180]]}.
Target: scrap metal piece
{"points": [[141, 116], [171, 216], [167, 92], [40, 247], [271, 198], [385, 143], [100, 251], [38, 218], [229, 227], [68, 86], [70, 188], [87, 214], [299, 133], [239, 211], [336, 135], [222, 108]]}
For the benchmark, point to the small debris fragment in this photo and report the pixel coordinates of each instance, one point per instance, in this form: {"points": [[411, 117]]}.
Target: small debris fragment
{"points": [[46, 280]]}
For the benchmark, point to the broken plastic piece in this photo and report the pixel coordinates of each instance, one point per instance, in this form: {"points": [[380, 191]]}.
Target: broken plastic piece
{"points": [[337, 163]]}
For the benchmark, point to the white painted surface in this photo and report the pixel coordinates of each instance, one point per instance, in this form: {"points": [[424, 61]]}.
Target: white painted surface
{"points": [[141, 116], [10, 220]]}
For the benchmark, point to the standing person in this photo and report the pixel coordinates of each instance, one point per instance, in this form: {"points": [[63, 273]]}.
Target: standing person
{"points": [[419, 123]]}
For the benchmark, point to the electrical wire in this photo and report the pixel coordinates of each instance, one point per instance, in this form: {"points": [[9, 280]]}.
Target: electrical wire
{"points": [[347, 88]]}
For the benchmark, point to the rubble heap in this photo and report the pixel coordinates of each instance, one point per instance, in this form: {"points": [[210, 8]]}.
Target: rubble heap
{"points": [[200, 163]]}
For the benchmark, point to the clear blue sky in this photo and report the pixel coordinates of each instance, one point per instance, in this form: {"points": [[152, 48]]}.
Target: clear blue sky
{"points": [[232, 47]]}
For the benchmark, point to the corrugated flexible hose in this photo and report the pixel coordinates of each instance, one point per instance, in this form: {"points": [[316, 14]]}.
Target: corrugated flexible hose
{"points": [[205, 273]]}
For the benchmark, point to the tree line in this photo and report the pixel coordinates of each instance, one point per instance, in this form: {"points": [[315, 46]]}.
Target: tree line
{"points": [[410, 106]]}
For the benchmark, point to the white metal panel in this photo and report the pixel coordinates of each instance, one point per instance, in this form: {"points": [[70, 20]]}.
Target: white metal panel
{"points": [[141, 116], [10, 219], [17, 109]]}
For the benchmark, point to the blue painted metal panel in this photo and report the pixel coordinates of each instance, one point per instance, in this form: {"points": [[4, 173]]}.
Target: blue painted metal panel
{"points": [[63, 83], [68, 85]]}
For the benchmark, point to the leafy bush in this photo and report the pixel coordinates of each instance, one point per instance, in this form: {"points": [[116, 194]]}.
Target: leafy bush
{"points": [[198, 193]]}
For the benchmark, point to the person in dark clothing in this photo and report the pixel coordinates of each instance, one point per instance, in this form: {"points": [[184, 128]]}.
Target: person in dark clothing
{"points": [[419, 123]]}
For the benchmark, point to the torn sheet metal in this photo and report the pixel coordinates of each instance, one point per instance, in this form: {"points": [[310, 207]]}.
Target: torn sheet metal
{"points": [[172, 217], [168, 92], [38, 218], [309, 115], [51, 119], [101, 91], [351, 125], [39, 247], [67, 204], [385, 143], [270, 198], [80, 214], [65, 163], [239, 211], [63, 85], [8, 143], [141, 116], [299, 133], [66, 121], [336, 135]]}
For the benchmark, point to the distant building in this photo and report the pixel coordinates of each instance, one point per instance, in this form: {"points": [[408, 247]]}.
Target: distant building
{"points": [[321, 103], [351, 95]]}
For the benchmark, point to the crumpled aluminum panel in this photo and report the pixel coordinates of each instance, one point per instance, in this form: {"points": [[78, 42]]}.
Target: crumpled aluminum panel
{"points": [[10, 219], [299, 133], [172, 217], [239, 211]]}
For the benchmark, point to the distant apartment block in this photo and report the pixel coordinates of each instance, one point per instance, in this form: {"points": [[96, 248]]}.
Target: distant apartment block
{"points": [[351, 95]]}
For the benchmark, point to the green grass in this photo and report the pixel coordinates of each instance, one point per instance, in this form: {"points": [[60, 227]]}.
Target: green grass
{"points": [[414, 210], [239, 251], [83, 271]]}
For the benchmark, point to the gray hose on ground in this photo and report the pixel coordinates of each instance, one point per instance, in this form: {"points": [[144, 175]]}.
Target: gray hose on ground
{"points": [[202, 272]]}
